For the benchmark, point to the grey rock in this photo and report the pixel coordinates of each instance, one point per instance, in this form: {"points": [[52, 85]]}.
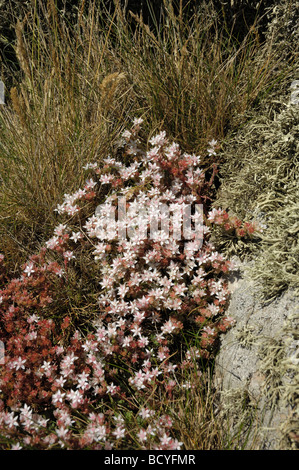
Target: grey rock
{"points": [[256, 370]]}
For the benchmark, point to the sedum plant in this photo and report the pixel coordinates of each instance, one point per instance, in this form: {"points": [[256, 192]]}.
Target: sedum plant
{"points": [[94, 384]]}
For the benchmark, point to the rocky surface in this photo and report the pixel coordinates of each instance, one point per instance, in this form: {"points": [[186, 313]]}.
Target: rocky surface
{"points": [[256, 370]]}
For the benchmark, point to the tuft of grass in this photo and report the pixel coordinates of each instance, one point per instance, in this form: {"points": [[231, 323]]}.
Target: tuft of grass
{"points": [[192, 78], [84, 79], [264, 189], [66, 111], [82, 82]]}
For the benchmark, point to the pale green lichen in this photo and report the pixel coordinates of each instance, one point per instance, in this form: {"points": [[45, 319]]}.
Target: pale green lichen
{"points": [[259, 182], [245, 336], [240, 413]]}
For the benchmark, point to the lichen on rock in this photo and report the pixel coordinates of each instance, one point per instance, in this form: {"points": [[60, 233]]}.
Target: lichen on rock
{"points": [[258, 359]]}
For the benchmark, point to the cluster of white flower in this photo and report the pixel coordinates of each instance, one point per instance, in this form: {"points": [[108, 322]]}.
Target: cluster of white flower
{"points": [[157, 274]]}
